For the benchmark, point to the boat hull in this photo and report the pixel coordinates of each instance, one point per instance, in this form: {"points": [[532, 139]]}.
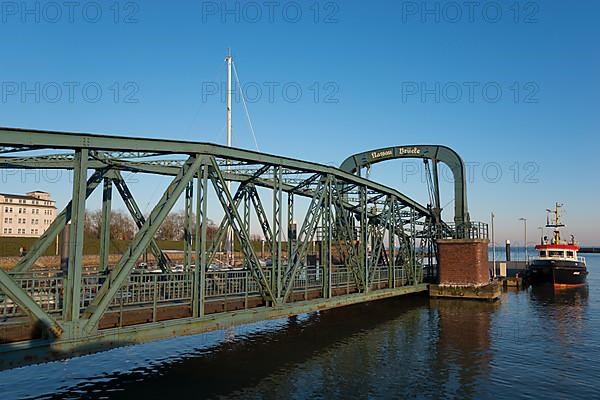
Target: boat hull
{"points": [[560, 273]]}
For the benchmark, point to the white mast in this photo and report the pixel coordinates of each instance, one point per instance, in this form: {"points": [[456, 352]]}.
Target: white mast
{"points": [[229, 61], [229, 240]]}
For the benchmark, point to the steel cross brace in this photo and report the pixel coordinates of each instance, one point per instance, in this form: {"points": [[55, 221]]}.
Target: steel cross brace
{"points": [[237, 224], [138, 217], [18, 295], [260, 214], [142, 239], [49, 236], [346, 236], [243, 188], [224, 225], [307, 232], [377, 235]]}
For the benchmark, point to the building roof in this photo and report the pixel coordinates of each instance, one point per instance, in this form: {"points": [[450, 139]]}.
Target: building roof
{"points": [[21, 196]]}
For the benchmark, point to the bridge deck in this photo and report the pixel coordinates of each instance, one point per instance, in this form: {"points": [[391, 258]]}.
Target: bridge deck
{"points": [[154, 306]]}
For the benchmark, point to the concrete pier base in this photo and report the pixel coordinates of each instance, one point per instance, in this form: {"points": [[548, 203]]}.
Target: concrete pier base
{"points": [[489, 292]]}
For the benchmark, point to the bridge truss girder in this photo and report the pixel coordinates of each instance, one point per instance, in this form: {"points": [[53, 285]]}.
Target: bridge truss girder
{"points": [[354, 215]]}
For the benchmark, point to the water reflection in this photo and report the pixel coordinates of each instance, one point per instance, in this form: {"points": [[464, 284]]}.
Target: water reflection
{"points": [[463, 354], [562, 312], [241, 366], [407, 347], [547, 294], [410, 347]]}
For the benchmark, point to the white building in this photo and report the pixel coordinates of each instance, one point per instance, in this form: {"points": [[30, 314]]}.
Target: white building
{"points": [[26, 216]]}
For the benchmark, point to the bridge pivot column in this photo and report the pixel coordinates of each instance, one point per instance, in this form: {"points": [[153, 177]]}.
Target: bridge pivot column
{"points": [[72, 283], [187, 230], [105, 227], [276, 245], [364, 238], [291, 237], [201, 229], [326, 240], [391, 244]]}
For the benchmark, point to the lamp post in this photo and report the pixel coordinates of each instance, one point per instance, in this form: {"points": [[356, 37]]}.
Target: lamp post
{"points": [[525, 237], [493, 246]]}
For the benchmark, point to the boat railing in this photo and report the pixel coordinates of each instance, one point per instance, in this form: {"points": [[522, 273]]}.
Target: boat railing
{"points": [[581, 259]]}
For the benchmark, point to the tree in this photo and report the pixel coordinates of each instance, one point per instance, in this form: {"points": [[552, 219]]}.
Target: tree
{"points": [[173, 227], [92, 224], [122, 226]]}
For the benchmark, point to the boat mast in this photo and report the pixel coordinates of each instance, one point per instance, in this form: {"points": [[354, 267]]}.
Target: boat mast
{"points": [[557, 224]]}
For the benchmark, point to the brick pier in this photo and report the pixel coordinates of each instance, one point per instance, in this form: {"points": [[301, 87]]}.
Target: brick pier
{"points": [[464, 270]]}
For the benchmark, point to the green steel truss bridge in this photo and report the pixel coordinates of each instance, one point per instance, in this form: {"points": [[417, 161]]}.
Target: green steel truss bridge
{"points": [[333, 238]]}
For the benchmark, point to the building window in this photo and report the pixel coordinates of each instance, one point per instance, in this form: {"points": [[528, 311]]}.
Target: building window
{"points": [[9, 230], [5, 209]]}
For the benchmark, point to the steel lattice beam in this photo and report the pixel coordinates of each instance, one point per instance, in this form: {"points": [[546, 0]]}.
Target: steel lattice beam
{"points": [[49, 236], [9, 287], [141, 240], [237, 224]]}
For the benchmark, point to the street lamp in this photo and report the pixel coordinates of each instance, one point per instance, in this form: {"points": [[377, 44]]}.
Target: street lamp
{"points": [[525, 237], [493, 246]]}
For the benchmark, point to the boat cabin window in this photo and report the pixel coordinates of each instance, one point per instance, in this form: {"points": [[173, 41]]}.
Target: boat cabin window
{"points": [[543, 253], [569, 254], [557, 254]]}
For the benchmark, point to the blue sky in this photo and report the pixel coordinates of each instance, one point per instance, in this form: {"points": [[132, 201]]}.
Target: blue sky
{"points": [[371, 74]]}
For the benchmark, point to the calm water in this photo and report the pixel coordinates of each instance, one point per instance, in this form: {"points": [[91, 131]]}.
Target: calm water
{"points": [[533, 344]]}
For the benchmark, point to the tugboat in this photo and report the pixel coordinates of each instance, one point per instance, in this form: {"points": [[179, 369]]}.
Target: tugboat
{"points": [[557, 262]]}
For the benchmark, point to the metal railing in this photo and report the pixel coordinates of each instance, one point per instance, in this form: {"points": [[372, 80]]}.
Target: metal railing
{"points": [[159, 289], [468, 230], [45, 288]]}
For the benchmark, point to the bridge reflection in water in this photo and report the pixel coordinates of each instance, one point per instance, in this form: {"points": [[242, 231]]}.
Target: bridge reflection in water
{"points": [[409, 347]]}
